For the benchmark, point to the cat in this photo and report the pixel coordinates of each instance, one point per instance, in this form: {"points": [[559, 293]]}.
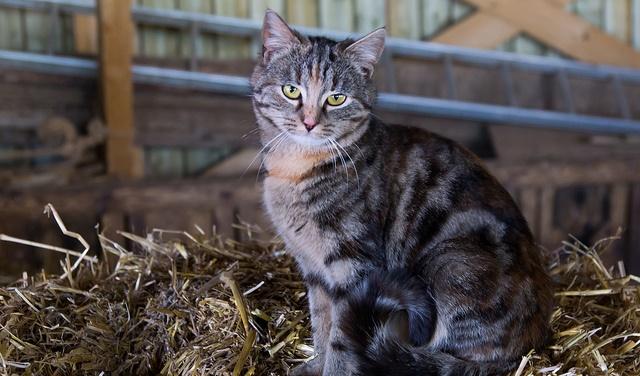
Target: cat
{"points": [[416, 260]]}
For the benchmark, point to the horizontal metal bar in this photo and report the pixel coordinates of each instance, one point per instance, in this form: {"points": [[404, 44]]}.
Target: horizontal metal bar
{"points": [[505, 115], [69, 66], [401, 47], [386, 101]]}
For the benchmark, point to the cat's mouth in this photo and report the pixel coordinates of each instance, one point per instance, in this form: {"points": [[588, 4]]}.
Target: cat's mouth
{"points": [[307, 140]]}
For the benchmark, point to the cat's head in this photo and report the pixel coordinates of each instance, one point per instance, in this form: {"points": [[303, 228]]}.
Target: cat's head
{"points": [[313, 89]]}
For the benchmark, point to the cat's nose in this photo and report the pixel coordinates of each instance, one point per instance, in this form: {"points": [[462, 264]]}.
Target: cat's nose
{"points": [[309, 123]]}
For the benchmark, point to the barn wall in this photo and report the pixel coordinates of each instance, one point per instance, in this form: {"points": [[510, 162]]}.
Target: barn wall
{"points": [[414, 19]]}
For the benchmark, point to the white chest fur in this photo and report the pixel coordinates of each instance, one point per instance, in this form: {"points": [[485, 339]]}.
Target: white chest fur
{"points": [[306, 241]]}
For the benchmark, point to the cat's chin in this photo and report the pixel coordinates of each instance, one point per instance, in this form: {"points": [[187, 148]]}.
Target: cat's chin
{"points": [[308, 140]]}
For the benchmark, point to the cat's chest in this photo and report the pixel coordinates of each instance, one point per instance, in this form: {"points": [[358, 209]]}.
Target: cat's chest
{"points": [[308, 241]]}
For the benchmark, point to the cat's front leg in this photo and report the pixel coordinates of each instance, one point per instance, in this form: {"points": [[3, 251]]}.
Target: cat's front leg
{"points": [[320, 310], [338, 361]]}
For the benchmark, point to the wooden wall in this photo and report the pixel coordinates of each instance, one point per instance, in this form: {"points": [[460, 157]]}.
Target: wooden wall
{"points": [[414, 19]]}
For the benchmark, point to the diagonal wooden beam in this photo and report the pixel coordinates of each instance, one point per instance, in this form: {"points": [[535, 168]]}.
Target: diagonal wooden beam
{"points": [[480, 30], [562, 30], [485, 30]]}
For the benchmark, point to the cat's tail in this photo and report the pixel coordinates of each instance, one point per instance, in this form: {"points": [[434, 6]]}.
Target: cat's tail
{"points": [[388, 324]]}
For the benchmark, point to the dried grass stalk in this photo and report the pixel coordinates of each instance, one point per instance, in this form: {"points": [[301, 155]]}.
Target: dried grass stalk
{"points": [[210, 306]]}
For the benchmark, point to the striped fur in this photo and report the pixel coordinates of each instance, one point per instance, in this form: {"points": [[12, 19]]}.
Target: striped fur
{"points": [[416, 260]]}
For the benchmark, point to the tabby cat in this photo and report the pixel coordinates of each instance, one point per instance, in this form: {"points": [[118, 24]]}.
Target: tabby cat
{"points": [[416, 260]]}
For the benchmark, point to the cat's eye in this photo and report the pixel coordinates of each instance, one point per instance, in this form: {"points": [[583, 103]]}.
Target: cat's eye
{"points": [[336, 99], [291, 92]]}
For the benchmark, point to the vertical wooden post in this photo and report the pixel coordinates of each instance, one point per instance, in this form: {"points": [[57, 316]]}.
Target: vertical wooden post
{"points": [[124, 158], [85, 32]]}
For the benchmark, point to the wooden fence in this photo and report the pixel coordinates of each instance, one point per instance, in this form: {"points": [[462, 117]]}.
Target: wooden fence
{"points": [[414, 19]]}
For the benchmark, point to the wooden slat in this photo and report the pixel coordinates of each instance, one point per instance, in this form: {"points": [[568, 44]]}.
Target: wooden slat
{"points": [[481, 30], [369, 14], [302, 12], [564, 31], [124, 159], [404, 19], [560, 174], [632, 258], [10, 29], [85, 34], [337, 14], [232, 47], [37, 31]]}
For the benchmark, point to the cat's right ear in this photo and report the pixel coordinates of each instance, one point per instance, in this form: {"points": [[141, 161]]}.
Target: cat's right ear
{"points": [[276, 35]]}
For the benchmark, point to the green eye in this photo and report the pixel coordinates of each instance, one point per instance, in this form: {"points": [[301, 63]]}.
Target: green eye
{"points": [[291, 92], [336, 99]]}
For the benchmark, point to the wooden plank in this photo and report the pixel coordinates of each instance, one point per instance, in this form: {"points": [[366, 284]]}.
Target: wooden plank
{"points": [[302, 12], [481, 30], [617, 19], [257, 10], [85, 34], [124, 159], [164, 162], [529, 202], [11, 37], [369, 15], [37, 31], [484, 30], [337, 14], [565, 32], [404, 19], [632, 259], [230, 47], [435, 17], [205, 44], [559, 174]]}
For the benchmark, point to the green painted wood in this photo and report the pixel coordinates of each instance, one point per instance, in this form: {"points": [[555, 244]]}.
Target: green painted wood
{"points": [[232, 47], [337, 14], [11, 29], [405, 18], [257, 8], [37, 31], [302, 12], [590, 10], [369, 15], [164, 162], [198, 160], [435, 17]]}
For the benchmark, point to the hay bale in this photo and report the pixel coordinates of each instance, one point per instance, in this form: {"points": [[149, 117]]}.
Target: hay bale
{"points": [[210, 306]]}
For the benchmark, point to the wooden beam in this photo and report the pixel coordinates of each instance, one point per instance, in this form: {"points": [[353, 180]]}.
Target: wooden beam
{"points": [[85, 34], [484, 30], [124, 158], [480, 30], [562, 30]]}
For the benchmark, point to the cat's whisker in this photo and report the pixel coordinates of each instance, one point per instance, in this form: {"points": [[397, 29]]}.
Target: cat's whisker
{"points": [[333, 156], [260, 152], [271, 150], [251, 132], [355, 169], [342, 160]]}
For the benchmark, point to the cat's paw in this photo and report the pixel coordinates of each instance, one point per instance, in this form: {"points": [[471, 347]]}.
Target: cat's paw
{"points": [[310, 368]]}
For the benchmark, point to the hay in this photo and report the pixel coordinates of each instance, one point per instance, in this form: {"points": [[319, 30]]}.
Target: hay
{"points": [[207, 306]]}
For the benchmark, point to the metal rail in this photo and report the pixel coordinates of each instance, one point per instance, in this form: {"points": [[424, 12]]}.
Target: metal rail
{"points": [[396, 46], [445, 108]]}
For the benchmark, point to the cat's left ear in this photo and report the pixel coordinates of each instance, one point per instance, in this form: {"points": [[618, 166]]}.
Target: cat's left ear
{"points": [[367, 50]]}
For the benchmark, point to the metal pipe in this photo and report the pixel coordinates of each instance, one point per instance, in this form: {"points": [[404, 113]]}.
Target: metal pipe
{"points": [[399, 47], [235, 85]]}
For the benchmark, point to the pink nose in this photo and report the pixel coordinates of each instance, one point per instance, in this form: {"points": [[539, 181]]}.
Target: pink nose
{"points": [[309, 123]]}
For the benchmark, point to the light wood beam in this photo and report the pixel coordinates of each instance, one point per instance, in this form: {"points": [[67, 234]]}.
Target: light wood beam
{"points": [[484, 30], [124, 158], [561, 30]]}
